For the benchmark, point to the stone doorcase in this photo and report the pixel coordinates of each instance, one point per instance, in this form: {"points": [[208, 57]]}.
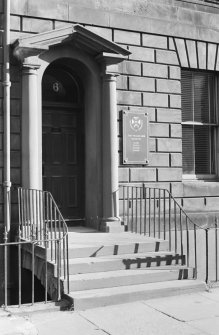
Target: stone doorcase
{"points": [[95, 60]]}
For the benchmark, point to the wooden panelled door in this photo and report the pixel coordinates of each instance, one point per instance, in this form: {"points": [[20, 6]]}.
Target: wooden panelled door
{"points": [[63, 142]]}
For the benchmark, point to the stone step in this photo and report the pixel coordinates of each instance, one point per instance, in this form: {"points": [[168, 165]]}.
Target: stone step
{"points": [[123, 262], [89, 281], [99, 250], [82, 300]]}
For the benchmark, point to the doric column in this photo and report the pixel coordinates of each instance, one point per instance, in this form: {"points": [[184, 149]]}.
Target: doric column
{"points": [[110, 150], [109, 66], [30, 128]]}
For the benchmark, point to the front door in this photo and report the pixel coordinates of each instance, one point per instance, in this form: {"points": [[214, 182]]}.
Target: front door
{"points": [[63, 143]]}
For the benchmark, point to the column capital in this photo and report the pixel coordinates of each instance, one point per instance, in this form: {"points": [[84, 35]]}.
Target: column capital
{"points": [[109, 76], [109, 62], [30, 68]]}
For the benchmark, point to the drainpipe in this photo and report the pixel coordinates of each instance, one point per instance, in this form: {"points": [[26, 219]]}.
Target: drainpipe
{"points": [[6, 111]]}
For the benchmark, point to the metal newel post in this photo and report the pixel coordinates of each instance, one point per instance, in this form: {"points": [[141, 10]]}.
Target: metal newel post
{"points": [[6, 104], [6, 266], [206, 237], [58, 269], [216, 248]]}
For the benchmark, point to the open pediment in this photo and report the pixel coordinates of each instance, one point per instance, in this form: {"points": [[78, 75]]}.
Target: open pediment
{"points": [[75, 35]]}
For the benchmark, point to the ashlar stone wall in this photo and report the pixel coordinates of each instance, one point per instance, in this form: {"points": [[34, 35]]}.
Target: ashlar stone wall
{"points": [[149, 80]]}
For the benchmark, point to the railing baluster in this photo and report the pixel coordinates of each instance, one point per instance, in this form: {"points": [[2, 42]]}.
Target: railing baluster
{"points": [[41, 214], [170, 238], [59, 221], [36, 208], [136, 209], [187, 241], [6, 267], [28, 216], [128, 224], [175, 226], [53, 221], [216, 250], [33, 268], [58, 268], [149, 209], [159, 215], [145, 210], [123, 203], [132, 225], [164, 215], [207, 261], [67, 260], [25, 214], [64, 261], [140, 196], [19, 272], [195, 251], [154, 212], [181, 236], [46, 270]]}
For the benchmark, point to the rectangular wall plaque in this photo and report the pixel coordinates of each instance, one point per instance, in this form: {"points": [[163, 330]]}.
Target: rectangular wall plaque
{"points": [[135, 137]]}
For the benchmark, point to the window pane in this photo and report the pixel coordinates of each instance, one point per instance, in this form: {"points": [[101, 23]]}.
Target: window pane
{"points": [[202, 150], [198, 105], [187, 96], [212, 98], [201, 98], [188, 150]]}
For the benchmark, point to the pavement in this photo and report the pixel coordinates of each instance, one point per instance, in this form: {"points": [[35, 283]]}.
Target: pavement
{"points": [[189, 314]]}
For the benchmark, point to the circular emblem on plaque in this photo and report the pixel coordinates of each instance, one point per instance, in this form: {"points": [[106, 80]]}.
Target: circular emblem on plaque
{"points": [[136, 123]]}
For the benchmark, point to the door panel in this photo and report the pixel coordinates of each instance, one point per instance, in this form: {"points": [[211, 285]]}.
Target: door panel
{"points": [[63, 159]]}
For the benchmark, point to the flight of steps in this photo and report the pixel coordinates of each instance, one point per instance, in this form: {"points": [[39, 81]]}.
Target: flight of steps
{"points": [[126, 269]]}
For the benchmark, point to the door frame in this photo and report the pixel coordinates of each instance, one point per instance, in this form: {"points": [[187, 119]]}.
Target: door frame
{"points": [[77, 110]]}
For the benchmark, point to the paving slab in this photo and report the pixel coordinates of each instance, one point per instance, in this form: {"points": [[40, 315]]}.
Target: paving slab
{"points": [[62, 323], [190, 314], [13, 325], [212, 294], [189, 307], [209, 326], [137, 318]]}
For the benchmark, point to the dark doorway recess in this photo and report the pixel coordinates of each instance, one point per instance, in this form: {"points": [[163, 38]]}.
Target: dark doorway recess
{"points": [[63, 140]]}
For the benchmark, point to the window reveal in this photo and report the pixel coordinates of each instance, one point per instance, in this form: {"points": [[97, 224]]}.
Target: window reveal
{"points": [[199, 121]]}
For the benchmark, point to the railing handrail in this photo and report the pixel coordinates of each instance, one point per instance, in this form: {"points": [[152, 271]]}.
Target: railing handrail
{"points": [[56, 206], [148, 210], [41, 223], [173, 198], [191, 221]]}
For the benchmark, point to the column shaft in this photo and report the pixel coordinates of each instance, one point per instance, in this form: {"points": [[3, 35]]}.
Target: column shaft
{"points": [[110, 152], [30, 129]]}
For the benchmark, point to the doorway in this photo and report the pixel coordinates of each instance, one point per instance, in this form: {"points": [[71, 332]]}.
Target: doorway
{"points": [[63, 140]]}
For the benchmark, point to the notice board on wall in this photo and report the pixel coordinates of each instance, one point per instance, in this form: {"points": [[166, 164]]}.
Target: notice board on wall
{"points": [[135, 137]]}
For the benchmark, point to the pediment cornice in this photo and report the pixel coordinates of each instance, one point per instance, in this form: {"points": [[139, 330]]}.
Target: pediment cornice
{"points": [[75, 35]]}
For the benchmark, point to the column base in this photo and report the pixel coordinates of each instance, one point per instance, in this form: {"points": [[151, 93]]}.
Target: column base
{"points": [[111, 225]]}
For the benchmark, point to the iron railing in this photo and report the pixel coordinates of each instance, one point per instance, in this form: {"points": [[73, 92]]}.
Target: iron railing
{"points": [[156, 213], [42, 229]]}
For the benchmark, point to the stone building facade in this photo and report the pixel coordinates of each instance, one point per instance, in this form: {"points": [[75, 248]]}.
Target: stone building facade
{"points": [[154, 54]]}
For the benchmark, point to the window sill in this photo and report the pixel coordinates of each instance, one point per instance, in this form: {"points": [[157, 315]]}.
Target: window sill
{"points": [[203, 177]]}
